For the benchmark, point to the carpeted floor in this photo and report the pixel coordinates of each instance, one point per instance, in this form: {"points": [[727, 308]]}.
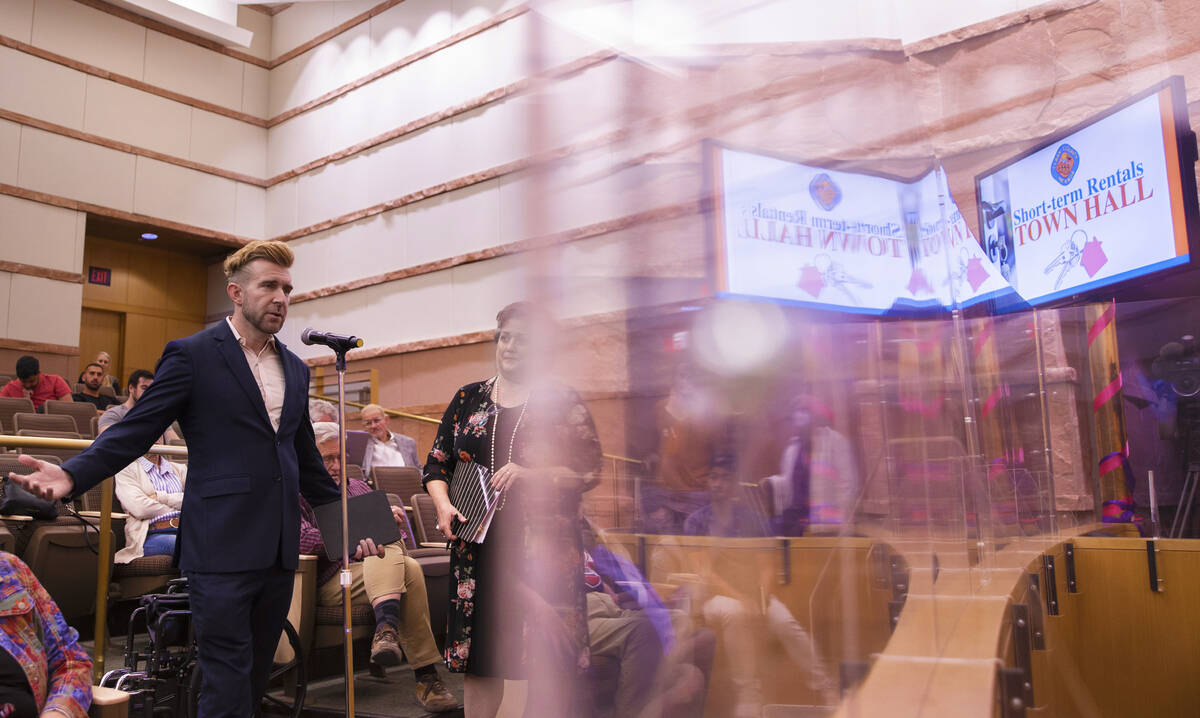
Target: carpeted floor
{"points": [[393, 695]]}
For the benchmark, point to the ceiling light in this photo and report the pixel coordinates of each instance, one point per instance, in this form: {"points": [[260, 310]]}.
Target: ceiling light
{"points": [[149, 235]]}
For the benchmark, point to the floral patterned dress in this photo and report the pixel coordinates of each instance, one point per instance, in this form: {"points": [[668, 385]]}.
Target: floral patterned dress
{"points": [[533, 542]]}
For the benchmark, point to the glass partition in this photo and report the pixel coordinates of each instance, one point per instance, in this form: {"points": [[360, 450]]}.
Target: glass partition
{"points": [[847, 437]]}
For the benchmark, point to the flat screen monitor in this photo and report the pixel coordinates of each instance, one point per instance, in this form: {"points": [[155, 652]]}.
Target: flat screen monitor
{"points": [[1108, 201], [813, 236]]}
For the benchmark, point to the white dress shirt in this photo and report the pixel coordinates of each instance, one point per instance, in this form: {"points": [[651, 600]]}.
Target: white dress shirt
{"points": [[385, 453], [267, 367]]}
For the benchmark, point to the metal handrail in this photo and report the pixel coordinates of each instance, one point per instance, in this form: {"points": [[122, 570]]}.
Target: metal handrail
{"points": [[106, 504], [429, 420], [47, 442], [389, 412]]}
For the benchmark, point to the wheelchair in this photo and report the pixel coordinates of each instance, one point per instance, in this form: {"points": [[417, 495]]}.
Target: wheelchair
{"points": [[161, 673]]}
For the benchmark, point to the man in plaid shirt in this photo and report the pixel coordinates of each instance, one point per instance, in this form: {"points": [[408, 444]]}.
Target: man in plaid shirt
{"points": [[394, 585]]}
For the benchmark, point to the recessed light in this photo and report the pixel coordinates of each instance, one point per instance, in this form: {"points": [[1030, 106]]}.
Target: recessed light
{"points": [[149, 235]]}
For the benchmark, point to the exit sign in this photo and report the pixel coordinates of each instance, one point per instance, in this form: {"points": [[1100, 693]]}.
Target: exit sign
{"points": [[100, 275]]}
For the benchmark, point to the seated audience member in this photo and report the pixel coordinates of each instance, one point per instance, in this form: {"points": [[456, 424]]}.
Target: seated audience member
{"points": [[139, 381], [736, 594], [693, 430], [393, 585], [151, 492], [93, 375], [618, 629], [621, 576], [725, 514], [658, 677], [43, 670], [817, 481], [384, 447], [320, 410], [32, 384], [105, 361]]}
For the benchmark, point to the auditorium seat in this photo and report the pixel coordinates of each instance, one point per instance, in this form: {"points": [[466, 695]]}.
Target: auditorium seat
{"points": [[82, 412], [354, 471], [356, 446], [10, 406], [403, 481], [148, 574], [38, 423], [8, 462], [412, 545], [107, 390], [61, 556], [62, 454], [425, 515], [92, 498], [95, 426], [21, 528]]}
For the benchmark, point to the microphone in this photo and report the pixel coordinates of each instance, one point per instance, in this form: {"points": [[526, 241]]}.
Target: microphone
{"points": [[340, 343]]}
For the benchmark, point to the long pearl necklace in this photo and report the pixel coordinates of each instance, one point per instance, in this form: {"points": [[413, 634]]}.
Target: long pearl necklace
{"points": [[512, 439]]}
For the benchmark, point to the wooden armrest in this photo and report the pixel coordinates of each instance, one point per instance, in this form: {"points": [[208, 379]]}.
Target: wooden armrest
{"points": [[103, 696], [664, 590], [15, 517], [433, 544], [96, 514], [308, 557]]}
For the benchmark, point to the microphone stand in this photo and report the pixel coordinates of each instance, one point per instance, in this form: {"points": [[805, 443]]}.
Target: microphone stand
{"points": [[346, 578], [340, 345]]}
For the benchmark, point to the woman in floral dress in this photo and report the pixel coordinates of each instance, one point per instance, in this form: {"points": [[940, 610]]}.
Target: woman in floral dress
{"points": [[517, 610]]}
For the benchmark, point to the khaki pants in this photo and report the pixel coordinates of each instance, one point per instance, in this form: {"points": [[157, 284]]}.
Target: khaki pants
{"points": [[395, 573], [628, 637]]}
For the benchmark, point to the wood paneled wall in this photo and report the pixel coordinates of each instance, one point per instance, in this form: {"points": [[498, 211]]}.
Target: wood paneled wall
{"points": [[161, 294]]}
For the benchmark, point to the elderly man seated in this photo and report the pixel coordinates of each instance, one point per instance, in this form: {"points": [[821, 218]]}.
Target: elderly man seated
{"points": [[385, 447], [393, 585]]}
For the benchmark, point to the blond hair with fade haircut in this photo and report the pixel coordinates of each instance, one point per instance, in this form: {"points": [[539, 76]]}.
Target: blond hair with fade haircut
{"points": [[272, 250]]}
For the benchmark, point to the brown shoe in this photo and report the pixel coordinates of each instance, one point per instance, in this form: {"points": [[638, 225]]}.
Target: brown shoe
{"points": [[434, 697], [385, 647]]}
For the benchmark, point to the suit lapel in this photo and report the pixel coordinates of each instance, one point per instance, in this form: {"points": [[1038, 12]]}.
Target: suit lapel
{"points": [[291, 379], [233, 355]]}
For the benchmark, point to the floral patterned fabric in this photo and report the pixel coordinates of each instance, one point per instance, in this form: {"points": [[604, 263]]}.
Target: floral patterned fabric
{"points": [[33, 630], [534, 542]]}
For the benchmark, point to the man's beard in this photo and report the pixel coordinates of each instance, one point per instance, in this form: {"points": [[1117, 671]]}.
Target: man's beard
{"points": [[258, 321]]}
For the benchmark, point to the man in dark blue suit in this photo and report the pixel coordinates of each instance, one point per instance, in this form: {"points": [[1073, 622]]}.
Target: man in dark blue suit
{"points": [[242, 400]]}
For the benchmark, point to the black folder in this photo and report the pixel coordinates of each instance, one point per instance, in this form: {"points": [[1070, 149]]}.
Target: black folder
{"points": [[370, 517]]}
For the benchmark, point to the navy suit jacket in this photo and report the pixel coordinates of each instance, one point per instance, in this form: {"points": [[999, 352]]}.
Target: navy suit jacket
{"points": [[241, 508]]}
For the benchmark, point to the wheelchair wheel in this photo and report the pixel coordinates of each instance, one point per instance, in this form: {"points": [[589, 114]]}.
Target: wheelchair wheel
{"points": [[290, 676]]}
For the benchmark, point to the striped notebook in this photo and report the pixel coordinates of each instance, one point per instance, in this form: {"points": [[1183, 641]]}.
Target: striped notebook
{"points": [[473, 496]]}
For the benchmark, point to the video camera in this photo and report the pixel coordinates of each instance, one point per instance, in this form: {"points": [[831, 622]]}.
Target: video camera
{"points": [[1178, 364]]}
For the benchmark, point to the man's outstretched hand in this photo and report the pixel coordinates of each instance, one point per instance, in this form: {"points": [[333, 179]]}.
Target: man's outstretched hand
{"points": [[48, 480]]}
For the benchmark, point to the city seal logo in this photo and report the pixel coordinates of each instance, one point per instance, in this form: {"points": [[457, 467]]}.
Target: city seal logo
{"points": [[1066, 161], [824, 192]]}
